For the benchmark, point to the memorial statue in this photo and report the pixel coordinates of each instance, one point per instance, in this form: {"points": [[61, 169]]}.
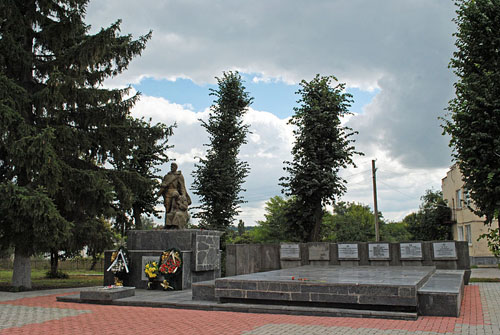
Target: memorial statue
{"points": [[175, 199]]}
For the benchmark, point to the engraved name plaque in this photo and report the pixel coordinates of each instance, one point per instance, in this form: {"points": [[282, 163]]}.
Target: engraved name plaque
{"points": [[411, 250], [348, 251], [444, 250], [378, 251], [290, 251]]}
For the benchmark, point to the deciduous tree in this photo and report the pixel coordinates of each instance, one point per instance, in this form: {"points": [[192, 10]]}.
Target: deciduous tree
{"points": [[475, 111], [218, 177], [322, 147]]}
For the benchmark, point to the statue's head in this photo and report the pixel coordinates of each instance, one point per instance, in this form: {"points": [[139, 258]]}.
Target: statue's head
{"points": [[173, 167]]}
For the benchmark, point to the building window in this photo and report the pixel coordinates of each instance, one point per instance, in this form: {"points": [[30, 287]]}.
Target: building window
{"points": [[460, 233], [459, 198], [466, 197], [468, 233]]}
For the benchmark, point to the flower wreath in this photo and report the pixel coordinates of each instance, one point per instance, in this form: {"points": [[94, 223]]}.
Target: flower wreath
{"points": [[170, 261], [119, 265]]}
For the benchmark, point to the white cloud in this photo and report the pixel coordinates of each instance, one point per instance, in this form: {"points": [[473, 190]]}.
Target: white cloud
{"points": [[400, 47]]}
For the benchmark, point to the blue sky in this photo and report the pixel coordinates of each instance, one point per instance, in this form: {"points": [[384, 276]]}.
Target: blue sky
{"points": [[274, 96]]}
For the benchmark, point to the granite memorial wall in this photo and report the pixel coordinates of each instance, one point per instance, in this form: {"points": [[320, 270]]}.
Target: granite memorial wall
{"points": [[251, 258]]}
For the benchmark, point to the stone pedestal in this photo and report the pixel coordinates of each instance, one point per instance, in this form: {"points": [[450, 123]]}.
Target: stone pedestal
{"points": [[199, 248]]}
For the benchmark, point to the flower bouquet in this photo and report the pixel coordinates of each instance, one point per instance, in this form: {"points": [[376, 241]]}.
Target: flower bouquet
{"points": [[151, 271]]}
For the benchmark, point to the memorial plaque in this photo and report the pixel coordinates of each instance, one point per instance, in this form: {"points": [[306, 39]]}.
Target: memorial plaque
{"points": [[378, 251], [319, 252], [411, 250], [289, 251], [348, 250], [444, 250], [146, 259]]}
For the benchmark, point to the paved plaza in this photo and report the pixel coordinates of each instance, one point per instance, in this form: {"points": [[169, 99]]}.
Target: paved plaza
{"points": [[40, 313]]}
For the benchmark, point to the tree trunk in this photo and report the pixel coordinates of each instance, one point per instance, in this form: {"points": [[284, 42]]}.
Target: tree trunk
{"points": [[317, 217], [94, 262], [137, 218], [21, 276], [54, 262]]}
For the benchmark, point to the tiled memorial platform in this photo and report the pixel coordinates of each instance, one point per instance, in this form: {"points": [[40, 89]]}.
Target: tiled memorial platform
{"points": [[395, 289], [384, 292], [322, 286]]}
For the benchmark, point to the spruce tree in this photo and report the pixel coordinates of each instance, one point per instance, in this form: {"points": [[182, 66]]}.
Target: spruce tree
{"points": [[58, 126], [218, 177], [322, 147]]}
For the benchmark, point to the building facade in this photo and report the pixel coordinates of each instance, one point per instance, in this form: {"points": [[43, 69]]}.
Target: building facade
{"points": [[467, 225]]}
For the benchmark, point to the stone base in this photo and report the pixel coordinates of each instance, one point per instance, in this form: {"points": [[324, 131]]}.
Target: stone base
{"points": [[103, 294], [199, 251]]}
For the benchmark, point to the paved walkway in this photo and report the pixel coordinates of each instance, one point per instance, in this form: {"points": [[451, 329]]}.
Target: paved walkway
{"points": [[40, 313]]}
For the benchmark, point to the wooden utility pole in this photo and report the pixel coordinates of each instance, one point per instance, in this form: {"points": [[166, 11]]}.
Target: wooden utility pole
{"points": [[375, 207]]}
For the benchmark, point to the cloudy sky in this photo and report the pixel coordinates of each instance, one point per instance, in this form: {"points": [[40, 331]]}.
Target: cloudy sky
{"points": [[393, 56]]}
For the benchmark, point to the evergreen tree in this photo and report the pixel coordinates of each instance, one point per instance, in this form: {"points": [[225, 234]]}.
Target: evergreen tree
{"points": [[138, 171], [475, 111], [218, 177], [322, 147], [58, 126]]}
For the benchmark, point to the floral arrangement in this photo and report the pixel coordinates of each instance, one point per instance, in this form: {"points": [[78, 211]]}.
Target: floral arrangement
{"points": [[151, 270], [170, 261], [119, 265]]}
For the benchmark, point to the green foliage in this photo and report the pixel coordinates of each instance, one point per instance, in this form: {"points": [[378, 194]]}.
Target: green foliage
{"points": [[274, 228], [475, 111], [30, 220], [136, 173], [218, 177], [432, 221], [322, 147], [395, 232], [350, 222], [58, 126], [56, 275]]}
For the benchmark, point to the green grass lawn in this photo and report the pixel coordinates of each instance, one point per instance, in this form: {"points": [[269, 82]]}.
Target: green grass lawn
{"points": [[77, 278]]}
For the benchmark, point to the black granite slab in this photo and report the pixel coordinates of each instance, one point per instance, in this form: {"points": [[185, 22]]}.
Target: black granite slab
{"points": [[442, 294], [359, 285]]}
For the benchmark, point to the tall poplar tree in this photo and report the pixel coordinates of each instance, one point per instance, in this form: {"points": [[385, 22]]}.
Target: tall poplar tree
{"points": [[58, 126], [475, 111], [322, 147], [219, 176]]}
